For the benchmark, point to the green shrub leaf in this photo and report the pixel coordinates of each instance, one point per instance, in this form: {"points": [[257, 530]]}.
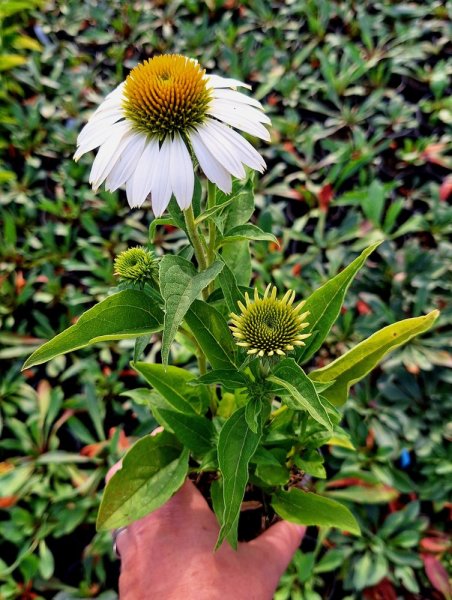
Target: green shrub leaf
{"points": [[127, 314], [360, 360], [236, 446], [325, 304], [212, 334], [173, 384], [152, 471], [246, 232], [306, 508], [193, 431], [238, 258], [229, 379], [180, 285], [231, 290], [302, 394]]}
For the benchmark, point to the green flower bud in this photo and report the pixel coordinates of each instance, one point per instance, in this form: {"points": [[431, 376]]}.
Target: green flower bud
{"points": [[136, 266], [268, 326]]}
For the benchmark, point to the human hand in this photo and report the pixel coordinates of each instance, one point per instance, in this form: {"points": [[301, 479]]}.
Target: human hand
{"points": [[168, 555]]}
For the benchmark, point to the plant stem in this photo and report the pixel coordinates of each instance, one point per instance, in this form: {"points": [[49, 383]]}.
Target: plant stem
{"points": [[202, 363], [194, 237], [211, 200], [278, 411], [213, 400]]}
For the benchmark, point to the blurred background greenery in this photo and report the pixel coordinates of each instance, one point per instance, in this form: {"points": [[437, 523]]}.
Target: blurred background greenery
{"points": [[361, 110]]}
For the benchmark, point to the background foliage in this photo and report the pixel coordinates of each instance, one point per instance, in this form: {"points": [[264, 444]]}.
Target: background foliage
{"points": [[359, 99]]}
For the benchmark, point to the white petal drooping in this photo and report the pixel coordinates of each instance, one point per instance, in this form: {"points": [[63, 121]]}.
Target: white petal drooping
{"points": [[166, 110]]}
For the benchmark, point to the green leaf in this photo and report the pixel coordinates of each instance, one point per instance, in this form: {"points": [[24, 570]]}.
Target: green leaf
{"points": [[212, 334], [128, 314], [156, 222], [176, 214], [152, 471], [369, 570], [173, 384], [302, 392], [253, 411], [210, 212], [180, 285], [9, 61], [238, 259], [246, 232], [306, 508], [330, 561], [195, 432], [141, 344], [371, 494], [312, 464], [46, 561], [241, 210], [325, 304], [236, 446], [269, 469], [11, 7], [360, 360], [216, 494], [231, 290], [229, 379]]}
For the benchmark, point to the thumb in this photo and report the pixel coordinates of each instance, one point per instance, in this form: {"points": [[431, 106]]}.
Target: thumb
{"points": [[278, 544]]}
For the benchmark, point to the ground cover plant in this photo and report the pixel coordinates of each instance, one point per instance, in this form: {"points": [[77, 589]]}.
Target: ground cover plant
{"points": [[359, 104]]}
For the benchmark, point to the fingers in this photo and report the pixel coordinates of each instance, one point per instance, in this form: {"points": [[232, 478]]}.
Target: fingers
{"points": [[278, 544]]}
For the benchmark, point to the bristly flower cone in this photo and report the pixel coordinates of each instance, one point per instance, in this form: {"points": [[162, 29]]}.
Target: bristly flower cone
{"points": [[268, 326], [136, 266]]}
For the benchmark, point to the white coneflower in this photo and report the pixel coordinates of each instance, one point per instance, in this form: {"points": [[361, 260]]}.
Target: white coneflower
{"points": [[166, 109]]}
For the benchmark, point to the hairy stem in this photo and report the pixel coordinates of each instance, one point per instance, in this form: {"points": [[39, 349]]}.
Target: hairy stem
{"points": [[194, 237], [211, 199]]}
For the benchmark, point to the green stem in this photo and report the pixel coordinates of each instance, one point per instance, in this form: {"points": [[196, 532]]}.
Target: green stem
{"points": [[211, 201], [202, 362], [194, 237], [213, 400], [279, 411]]}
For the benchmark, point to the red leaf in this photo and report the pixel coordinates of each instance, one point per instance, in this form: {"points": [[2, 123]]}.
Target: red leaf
{"points": [[437, 545], [8, 501], [446, 189], [384, 590], [437, 575], [325, 196], [363, 308], [346, 481]]}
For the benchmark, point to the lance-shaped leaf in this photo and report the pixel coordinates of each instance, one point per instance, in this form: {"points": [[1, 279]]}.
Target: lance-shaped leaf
{"points": [[152, 471], [173, 384], [324, 305], [238, 258], [216, 494], [229, 379], [302, 394], [236, 446], [127, 314], [306, 508], [212, 334], [180, 285], [246, 232], [238, 212], [193, 431], [360, 360], [231, 291]]}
